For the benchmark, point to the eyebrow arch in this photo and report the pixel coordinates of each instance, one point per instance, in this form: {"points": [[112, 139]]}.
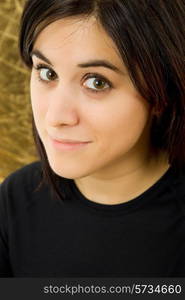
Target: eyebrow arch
{"points": [[91, 63], [39, 54]]}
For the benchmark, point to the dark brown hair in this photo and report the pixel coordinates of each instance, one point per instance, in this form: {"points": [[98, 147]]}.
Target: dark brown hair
{"points": [[150, 37]]}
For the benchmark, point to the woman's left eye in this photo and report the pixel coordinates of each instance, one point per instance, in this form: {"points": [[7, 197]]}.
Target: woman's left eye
{"points": [[97, 84]]}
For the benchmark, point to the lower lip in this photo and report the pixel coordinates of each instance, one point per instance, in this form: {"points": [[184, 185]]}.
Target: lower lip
{"points": [[68, 146]]}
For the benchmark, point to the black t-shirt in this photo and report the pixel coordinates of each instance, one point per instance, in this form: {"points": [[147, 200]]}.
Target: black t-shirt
{"points": [[41, 237]]}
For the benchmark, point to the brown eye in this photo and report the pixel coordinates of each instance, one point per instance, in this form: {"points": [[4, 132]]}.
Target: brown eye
{"points": [[99, 84], [96, 84], [47, 74]]}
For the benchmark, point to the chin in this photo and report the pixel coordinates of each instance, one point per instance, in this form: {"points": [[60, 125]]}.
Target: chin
{"points": [[69, 172]]}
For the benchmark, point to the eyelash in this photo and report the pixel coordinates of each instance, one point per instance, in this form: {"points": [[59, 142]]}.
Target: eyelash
{"points": [[87, 76]]}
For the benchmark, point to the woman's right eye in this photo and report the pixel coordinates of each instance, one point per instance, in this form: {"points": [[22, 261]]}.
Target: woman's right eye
{"points": [[45, 74]]}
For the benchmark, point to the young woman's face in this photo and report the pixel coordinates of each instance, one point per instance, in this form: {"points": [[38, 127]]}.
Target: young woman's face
{"points": [[80, 90]]}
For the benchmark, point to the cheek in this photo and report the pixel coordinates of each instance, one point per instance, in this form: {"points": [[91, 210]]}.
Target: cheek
{"points": [[122, 126], [133, 116]]}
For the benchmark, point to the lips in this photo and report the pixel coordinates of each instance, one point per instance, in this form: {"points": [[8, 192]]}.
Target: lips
{"points": [[67, 141], [70, 145]]}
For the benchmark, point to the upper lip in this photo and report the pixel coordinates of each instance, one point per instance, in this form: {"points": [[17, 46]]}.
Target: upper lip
{"points": [[68, 141]]}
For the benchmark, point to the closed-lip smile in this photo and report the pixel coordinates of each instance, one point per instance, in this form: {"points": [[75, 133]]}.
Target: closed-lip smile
{"points": [[67, 141], [67, 145]]}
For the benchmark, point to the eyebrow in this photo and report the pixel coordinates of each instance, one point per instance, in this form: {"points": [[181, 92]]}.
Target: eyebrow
{"points": [[90, 63]]}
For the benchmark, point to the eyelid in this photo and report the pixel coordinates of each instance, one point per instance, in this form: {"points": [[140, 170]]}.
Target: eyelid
{"points": [[42, 66]]}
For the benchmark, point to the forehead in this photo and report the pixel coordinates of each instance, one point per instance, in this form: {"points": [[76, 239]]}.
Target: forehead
{"points": [[77, 38]]}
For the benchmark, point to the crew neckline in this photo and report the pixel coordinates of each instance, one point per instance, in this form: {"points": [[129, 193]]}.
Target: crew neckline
{"points": [[132, 204]]}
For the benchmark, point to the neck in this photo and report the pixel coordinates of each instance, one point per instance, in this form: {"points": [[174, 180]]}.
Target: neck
{"points": [[125, 184]]}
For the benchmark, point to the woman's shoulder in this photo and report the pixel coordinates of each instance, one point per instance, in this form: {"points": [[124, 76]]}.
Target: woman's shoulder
{"points": [[21, 180], [177, 187]]}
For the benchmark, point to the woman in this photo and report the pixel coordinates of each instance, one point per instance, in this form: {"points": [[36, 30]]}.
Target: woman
{"points": [[108, 101]]}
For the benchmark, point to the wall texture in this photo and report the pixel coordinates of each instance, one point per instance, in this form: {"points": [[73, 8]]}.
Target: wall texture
{"points": [[16, 141]]}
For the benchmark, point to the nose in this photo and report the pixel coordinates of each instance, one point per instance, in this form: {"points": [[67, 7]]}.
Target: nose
{"points": [[62, 107]]}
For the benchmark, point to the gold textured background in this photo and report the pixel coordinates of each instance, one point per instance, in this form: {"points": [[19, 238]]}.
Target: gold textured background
{"points": [[16, 141]]}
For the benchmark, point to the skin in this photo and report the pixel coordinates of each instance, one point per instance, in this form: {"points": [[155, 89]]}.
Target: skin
{"points": [[118, 164]]}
